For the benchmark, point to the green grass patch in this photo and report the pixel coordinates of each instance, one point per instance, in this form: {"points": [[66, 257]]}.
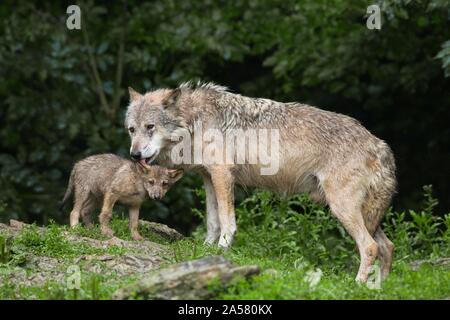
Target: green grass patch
{"points": [[93, 286], [289, 239]]}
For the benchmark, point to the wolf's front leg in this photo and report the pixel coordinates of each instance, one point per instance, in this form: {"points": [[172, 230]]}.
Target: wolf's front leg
{"points": [[223, 182], [134, 223], [106, 214], [212, 214]]}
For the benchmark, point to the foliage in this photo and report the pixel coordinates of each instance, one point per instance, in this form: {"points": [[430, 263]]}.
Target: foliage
{"points": [[296, 227], [419, 233], [5, 253]]}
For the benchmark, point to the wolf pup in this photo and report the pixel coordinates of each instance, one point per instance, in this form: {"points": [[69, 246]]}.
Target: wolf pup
{"points": [[330, 156], [110, 178]]}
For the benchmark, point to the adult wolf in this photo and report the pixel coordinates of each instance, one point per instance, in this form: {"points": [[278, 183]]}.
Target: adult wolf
{"points": [[329, 155]]}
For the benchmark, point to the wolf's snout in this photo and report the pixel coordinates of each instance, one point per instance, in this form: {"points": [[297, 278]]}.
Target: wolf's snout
{"points": [[136, 155]]}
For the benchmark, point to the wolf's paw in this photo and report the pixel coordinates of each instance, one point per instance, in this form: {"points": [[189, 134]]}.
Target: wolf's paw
{"points": [[211, 239], [225, 241]]}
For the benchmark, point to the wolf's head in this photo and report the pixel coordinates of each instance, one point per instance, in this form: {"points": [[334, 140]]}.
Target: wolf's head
{"points": [[157, 180], [152, 122]]}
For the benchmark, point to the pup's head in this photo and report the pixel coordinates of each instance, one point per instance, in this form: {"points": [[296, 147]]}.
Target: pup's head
{"points": [[157, 180], [151, 121]]}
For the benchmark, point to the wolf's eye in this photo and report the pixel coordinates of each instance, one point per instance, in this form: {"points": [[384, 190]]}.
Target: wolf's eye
{"points": [[165, 183], [149, 126], [131, 129], [152, 182]]}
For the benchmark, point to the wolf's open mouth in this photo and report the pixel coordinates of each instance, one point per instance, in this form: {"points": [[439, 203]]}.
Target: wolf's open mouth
{"points": [[147, 161]]}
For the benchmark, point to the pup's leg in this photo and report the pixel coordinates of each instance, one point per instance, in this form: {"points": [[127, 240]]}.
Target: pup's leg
{"points": [[75, 215], [212, 214], [223, 183], [80, 198], [134, 223], [86, 212], [345, 201], [385, 251], [106, 214]]}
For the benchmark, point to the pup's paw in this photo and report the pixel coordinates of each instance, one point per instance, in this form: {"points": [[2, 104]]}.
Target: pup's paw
{"points": [[137, 237], [107, 231]]}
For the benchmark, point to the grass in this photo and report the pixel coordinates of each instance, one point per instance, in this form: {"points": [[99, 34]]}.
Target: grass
{"points": [[53, 243], [289, 239], [285, 277], [93, 287]]}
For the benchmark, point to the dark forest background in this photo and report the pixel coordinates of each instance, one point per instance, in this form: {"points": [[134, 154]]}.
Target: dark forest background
{"points": [[63, 92]]}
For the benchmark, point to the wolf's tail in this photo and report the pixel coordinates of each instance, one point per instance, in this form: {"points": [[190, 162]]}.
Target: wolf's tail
{"points": [[69, 192]]}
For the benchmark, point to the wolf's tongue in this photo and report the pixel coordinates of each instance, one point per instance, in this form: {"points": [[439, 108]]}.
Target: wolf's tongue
{"points": [[142, 162]]}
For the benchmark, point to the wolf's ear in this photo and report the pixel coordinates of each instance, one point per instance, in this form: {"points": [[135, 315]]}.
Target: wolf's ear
{"points": [[171, 98], [175, 174], [134, 95]]}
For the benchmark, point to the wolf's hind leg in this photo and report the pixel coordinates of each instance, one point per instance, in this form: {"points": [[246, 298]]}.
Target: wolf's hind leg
{"points": [[345, 203], [353, 222], [212, 214], [376, 203], [385, 252]]}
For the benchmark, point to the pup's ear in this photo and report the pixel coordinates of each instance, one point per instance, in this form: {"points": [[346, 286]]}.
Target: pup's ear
{"points": [[175, 174], [134, 95], [171, 98]]}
